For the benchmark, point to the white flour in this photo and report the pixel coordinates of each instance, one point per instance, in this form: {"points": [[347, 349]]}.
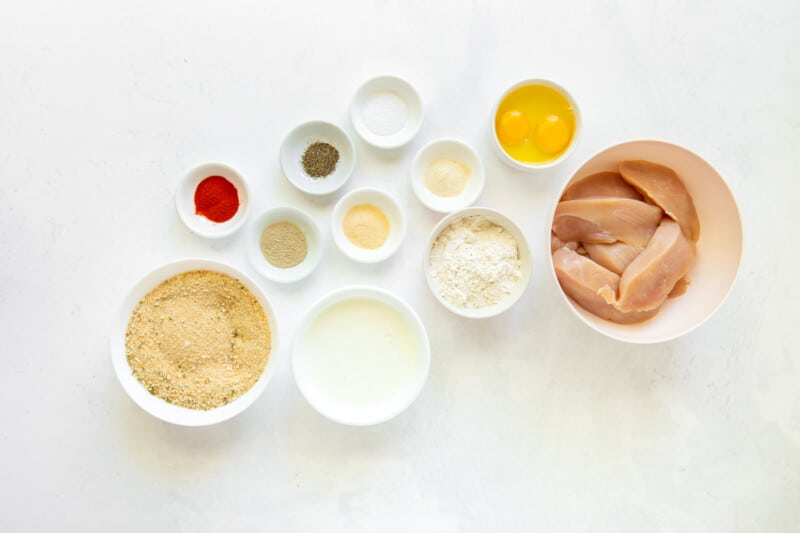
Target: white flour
{"points": [[475, 263]]}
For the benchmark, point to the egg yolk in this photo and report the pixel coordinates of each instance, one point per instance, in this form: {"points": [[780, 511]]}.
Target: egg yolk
{"points": [[551, 135], [513, 127]]}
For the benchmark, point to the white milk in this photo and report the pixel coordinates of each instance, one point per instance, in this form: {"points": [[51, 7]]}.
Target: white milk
{"points": [[360, 353]]}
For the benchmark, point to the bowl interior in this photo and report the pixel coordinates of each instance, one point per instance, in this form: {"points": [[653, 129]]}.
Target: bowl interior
{"points": [[155, 405], [526, 262], [399, 87], [576, 135], [184, 200], [448, 149], [719, 248], [295, 145], [313, 239], [384, 202], [347, 412]]}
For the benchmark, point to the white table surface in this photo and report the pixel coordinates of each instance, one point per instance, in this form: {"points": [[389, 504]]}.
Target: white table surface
{"points": [[528, 422]]}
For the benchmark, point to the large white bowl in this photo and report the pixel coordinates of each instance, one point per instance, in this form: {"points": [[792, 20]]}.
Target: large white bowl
{"points": [[526, 263], [719, 249], [346, 412], [154, 405]]}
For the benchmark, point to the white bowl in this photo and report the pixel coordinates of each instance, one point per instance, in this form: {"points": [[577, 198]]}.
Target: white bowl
{"points": [[719, 249], [526, 263], [576, 135], [350, 411], [306, 225], [154, 405], [184, 200], [399, 88], [300, 138], [383, 201], [457, 151]]}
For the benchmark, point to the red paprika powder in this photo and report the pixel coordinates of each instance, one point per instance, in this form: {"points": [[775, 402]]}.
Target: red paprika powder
{"points": [[216, 199]]}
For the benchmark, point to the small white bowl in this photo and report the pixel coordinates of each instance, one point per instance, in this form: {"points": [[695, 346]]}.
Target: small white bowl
{"points": [[526, 263], [306, 225], [184, 200], [300, 138], [350, 411], [457, 151], [576, 135], [396, 88], [719, 249], [383, 201], [154, 405]]}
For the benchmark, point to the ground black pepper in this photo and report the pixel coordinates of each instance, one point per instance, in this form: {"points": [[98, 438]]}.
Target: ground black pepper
{"points": [[320, 159]]}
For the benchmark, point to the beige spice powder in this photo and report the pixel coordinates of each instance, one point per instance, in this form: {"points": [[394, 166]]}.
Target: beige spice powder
{"points": [[283, 244], [198, 340]]}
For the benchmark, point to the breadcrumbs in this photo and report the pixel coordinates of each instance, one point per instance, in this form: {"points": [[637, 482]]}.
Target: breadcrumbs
{"points": [[199, 340]]}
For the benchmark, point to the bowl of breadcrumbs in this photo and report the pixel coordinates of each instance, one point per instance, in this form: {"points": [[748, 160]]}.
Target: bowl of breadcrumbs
{"points": [[193, 342]]}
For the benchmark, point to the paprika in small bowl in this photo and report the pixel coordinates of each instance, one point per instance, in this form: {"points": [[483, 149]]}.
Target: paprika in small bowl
{"points": [[212, 200]]}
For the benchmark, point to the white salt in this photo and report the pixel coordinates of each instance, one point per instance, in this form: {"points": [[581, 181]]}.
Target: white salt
{"points": [[385, 113]]}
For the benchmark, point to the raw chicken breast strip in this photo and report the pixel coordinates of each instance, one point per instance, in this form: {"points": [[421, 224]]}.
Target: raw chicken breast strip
{"points": [[582, 280], [650, 278], [606, 220], [662, 186], [600, 185], [615, 256]]}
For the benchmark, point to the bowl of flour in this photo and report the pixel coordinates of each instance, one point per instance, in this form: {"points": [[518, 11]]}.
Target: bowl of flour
{"points": [[477, 262]]}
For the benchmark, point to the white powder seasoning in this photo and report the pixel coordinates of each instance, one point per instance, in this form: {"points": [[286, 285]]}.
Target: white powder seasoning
{"points": [[475, 262], [385, 113]]}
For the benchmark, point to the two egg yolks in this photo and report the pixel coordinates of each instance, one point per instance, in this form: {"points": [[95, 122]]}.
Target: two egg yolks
{"points": [[550, 135]]}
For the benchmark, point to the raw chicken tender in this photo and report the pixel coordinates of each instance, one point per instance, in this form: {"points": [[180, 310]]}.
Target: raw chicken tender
{"points": [[662, 186], [615, 256], [582, 280], [606, 220], [599, 185], [556, 243], [650, 278]]}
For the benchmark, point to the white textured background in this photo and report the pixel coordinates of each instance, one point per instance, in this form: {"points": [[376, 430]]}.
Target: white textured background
{"points": [[530, 421]]}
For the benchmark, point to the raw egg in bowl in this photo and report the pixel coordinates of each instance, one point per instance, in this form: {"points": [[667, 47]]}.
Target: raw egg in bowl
{"points": [[536, 124]]}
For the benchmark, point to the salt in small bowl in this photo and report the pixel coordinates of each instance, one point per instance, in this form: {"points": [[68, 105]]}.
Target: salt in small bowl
{"points": [[385, 97]]}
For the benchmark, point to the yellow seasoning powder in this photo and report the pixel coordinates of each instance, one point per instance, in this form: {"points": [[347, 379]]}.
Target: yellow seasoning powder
{"points": [[366, 226], [446, 177]]}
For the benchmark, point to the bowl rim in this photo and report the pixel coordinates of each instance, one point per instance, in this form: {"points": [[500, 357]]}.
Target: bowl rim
{"points": [[295, 180], [393, 141], [373, 293], [155, 406], [417, 176], [523, 247], [572, 305], [576, 135], [219, 229], [299, 217], [377, 255]]}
